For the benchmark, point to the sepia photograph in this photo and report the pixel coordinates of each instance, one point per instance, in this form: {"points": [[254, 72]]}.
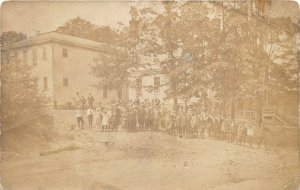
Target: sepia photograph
{"points": [[150, 95]]}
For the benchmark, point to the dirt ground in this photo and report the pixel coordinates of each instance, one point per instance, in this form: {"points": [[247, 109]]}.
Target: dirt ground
{"points": [[147, 161]]}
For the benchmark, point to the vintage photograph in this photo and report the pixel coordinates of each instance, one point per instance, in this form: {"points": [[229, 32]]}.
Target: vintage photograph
{"points": [[150, 95]]}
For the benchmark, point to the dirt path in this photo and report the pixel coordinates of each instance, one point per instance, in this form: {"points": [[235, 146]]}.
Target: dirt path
{"points": [[147, 161]]}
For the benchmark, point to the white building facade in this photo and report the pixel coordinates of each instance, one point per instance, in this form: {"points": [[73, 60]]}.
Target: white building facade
{"points": [[61, 64]]}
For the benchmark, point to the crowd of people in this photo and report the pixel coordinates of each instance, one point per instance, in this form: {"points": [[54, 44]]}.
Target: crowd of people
{"points": [[152, 115]]}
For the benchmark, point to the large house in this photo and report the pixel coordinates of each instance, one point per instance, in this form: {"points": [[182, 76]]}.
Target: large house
{"points": [[62, 62]]}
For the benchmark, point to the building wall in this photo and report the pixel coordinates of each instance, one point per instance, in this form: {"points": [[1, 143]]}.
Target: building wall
{"points": [[76, 68], [43, 67]]}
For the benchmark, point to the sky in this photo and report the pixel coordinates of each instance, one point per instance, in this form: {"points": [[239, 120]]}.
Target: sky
{"points": [[39, 17], [32, 17]]}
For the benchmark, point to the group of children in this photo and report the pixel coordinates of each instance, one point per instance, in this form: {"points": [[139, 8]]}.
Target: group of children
{"points": [[188, 124], [105, 119]]}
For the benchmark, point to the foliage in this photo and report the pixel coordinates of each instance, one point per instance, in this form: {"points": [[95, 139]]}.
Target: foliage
{"points": [[9, 38], [21, 103], [237, 50], [85, 29], [232, 52]]}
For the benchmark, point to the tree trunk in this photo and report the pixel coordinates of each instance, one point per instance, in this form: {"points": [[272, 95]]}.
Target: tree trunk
{"points": [[259, 110], [185, 105], [119, 94], [233, 108]]}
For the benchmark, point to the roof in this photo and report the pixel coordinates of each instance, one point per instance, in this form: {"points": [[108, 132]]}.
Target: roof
{"points": [[66, 39]]}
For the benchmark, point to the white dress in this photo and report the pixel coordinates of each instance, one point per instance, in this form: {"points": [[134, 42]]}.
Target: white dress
{"points": [[105, 119], [250, 132]]}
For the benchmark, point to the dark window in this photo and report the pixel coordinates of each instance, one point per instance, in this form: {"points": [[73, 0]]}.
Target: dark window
{"points": [[105, 92], [139, 86], [156, 84], [65, 82], [45, 83], [65, 52], [34, 57], [44, 53]]}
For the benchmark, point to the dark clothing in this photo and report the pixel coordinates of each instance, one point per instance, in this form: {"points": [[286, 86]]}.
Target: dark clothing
{"points": [[83, 101], [149, 117], [141, 117], [116, 118], [90, 100], [90, 118], [80, 122], [131, 120]]}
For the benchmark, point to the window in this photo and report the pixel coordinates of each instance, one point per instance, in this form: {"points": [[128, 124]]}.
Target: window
{"points": [[65, 52], [65, 82], [156, 84], [45, 83], [105, 92], [34, 57], [139, 86], [44, 53], [25, 56]]}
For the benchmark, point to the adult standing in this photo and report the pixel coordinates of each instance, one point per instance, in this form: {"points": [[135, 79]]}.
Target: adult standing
{"points": [[116, 118], [151, 118], [77, 99], [132, 119], [157, 117], [261, 135], [90, 100], [83, 102], [141, 117], [194, 124], [110, 116]]}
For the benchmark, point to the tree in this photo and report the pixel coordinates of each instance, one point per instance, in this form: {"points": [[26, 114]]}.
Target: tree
{"points": [[112, 70], [115, 70], [21, 103], [11, 37], [7, 41], [212, 57], [85, 29]]}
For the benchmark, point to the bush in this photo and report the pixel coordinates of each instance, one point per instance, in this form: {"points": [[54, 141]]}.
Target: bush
{"points": [[22, 104]]}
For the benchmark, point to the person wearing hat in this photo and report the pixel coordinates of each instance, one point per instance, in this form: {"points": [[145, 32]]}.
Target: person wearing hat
{"points": [[116, 118], [141, 117], [90, 100]]}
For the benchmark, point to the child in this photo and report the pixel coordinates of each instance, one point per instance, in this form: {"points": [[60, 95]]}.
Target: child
{"points": [[250, 133], [105, 121], [98, 117], [90, 114], [79, 116]]}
